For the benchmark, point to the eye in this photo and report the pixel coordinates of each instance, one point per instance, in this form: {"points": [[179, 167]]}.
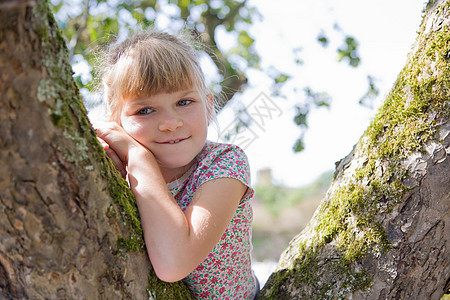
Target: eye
{"points": [[184, 102], [144, 111]]}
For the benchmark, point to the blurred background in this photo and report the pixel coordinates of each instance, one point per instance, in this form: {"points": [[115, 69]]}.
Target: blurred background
{"points": [[300, 79]]}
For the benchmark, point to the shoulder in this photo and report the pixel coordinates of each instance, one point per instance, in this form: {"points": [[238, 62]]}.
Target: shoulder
{"points": [[223, 160], [216, 151]]}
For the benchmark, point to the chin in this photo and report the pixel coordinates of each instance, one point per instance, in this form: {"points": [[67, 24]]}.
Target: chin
{"points": [[175, 164]]}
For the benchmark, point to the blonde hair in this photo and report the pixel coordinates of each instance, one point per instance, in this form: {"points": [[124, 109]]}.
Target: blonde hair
{"points": [[149, 63]]}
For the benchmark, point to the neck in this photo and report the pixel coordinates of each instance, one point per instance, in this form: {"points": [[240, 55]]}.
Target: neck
{"points": [[172, 174]]}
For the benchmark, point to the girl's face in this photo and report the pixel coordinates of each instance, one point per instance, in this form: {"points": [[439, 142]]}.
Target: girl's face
{"points": [[172, 126]]}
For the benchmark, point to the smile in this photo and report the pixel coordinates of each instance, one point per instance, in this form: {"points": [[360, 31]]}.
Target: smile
{"points": [[176, 141]]}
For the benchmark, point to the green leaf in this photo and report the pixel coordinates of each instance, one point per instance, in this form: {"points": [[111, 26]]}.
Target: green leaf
{"points": [[244, 39], [349, 51], [317, 98], [371, 94], [323, 40], [299, 145], [281, 78], [183, 3]]}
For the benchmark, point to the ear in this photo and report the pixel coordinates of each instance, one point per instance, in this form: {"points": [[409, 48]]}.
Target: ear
{"points": [[209, 106], [210, 98], [209, 103]]}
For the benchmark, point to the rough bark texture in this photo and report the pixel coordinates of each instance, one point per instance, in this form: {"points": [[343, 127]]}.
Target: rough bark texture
{"points": [[69, 227], [383, 230]]}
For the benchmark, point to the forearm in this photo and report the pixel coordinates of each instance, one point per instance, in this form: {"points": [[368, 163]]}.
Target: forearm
{"points": [[168, 235]]}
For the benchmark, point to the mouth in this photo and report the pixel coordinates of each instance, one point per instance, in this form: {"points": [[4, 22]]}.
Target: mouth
{"points": [[172, 141]]}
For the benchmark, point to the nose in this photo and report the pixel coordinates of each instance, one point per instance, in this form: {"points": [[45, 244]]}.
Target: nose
{"points": [[170, 122]]}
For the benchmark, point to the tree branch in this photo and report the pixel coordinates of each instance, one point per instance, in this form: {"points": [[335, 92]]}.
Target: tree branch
{"points": [[16, 4], [74, 41]]}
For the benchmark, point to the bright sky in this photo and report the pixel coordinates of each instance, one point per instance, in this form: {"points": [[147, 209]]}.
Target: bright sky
{"points": [[385, 30]]}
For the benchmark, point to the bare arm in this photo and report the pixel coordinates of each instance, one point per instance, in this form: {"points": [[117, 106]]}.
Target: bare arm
{"points": [[178, 242]]}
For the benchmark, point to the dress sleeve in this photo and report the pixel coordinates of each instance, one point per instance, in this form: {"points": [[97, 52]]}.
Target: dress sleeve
{"points": [[226, 161]]}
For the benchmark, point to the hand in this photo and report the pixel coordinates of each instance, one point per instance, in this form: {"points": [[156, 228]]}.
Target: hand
{"points": [[116, 142], [120, 165]]}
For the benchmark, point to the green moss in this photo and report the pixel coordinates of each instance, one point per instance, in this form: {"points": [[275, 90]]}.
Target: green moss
{"points": [[129, 213], [277, 279], [344, 278], [66, 110], [168, 291], [404, 124]]}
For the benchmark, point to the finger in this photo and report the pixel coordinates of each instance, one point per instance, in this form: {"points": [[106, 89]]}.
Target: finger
{"points": [[124, 172], [115, 158], [104, 129], [103, 143]]}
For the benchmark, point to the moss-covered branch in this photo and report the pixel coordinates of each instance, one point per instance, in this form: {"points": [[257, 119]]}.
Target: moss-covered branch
{"points": [[336, 256]]}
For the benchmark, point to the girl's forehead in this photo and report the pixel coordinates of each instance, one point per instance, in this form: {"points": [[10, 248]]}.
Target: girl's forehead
{"points": [[163, 95]]}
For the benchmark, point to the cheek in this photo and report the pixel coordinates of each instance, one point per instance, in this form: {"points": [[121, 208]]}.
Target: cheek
{"points": [[202, 126], [196, 121], [134, 129], [200, 117]]}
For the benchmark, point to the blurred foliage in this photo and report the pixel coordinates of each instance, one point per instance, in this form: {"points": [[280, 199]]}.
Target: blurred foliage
{"points": [[322, 39], [312, 99], [371, 94], [349, 51], [281, 212], [272, 196], [277, 198], [88, 24]]}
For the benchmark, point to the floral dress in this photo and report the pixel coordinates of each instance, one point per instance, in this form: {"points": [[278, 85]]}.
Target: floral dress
{"points": [[226, 272]]}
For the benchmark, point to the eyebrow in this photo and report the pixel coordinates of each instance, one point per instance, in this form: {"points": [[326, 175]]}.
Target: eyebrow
{"points": [[137, 101], [189, 92], [144, 99]]}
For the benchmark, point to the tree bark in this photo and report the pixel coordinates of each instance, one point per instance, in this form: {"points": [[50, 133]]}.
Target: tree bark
{"points": [[382, 231], [69, 227]]}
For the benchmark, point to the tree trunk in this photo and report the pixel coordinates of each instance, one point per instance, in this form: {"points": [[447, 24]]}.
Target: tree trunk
{"points": [[69, 227], [383, 229]]}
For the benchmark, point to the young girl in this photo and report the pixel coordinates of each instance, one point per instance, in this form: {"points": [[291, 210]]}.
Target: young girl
{"points": [[193, 195]]}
